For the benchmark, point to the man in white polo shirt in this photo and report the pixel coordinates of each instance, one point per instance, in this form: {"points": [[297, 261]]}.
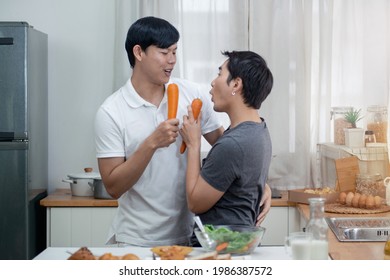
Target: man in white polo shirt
{"points": [[138, 148]]}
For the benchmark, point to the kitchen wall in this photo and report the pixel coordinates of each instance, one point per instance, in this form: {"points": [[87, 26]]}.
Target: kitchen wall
{"points": [[81, 51]]}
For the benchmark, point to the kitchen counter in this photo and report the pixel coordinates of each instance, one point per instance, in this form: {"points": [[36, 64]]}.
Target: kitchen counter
{"points": [[64, 198], [350, 250], [62, 253]]}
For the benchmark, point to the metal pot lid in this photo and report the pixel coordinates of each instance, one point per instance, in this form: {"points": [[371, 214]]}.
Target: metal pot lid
{"points": [[84, 175]]}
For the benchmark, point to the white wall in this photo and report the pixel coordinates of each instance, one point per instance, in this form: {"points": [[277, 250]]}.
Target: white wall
{"points": [[81, 51]]}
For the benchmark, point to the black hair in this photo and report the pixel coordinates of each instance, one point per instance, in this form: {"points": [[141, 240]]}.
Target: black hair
{"points": [[257, 79], [149, 31]]}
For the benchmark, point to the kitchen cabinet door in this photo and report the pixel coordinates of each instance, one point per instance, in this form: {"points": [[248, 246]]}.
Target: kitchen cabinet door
{"points": [[278, 223], [78, 226]]}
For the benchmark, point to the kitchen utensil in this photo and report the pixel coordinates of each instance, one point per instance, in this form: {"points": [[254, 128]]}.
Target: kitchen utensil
{"points": [[79, 183], [199, 223], [99, 190], [210, 244]]}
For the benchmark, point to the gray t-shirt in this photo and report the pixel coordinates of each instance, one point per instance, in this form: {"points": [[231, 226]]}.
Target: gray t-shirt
{"points": [[238, 165]]}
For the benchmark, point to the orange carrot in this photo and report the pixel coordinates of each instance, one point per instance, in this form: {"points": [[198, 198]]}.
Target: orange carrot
{"points": [[196, 106], [173, 100], [221, 246]]}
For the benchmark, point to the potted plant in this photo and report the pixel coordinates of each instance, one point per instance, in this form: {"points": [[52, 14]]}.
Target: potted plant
{"points": [[354, 136], [353, 116]]}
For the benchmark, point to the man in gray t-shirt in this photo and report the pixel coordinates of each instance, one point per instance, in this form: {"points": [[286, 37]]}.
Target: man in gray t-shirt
{"points": [[238, 166], [229, 186]]}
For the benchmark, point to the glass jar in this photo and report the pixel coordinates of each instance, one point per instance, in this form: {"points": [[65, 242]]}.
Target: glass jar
{"points": [[370, 184], [337, 114], [386, 182], [369, 137], [387, 249], [319, 228], [377, 122]]}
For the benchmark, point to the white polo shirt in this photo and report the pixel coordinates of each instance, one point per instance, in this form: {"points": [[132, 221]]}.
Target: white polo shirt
{"points": [[154, 211]]}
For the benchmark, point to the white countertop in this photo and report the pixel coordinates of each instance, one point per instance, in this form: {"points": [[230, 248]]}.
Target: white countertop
{"points": [[62, 253]]}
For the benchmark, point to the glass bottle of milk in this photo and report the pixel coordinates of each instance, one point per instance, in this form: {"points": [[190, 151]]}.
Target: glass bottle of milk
{"points": [[319, 228]]}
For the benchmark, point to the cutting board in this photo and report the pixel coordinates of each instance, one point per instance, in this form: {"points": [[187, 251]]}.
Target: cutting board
{"points": [[346, 170]]}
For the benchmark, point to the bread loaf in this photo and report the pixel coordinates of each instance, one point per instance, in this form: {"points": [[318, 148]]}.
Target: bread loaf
{"points": [[82, 254]]}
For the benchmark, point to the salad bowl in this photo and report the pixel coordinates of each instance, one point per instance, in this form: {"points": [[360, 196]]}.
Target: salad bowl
{"points": [[229, 239]]}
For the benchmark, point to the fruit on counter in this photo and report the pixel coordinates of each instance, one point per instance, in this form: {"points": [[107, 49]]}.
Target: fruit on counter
{"points": [[358, 200]]}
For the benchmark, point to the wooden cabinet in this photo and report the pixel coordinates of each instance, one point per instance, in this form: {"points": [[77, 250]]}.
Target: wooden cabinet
{"points": [[78, 226]]}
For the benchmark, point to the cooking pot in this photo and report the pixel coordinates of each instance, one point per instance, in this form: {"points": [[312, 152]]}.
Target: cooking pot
{"points": [[99, 190], [79, 182]]}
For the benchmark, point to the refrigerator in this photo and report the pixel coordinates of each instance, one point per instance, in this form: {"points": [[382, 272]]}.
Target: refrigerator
{"points": [[23, 140]]}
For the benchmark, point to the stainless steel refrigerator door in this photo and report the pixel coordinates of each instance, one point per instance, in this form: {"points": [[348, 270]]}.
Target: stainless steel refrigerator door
{"points": [[13, 79], [24, 94], [13, 200]]}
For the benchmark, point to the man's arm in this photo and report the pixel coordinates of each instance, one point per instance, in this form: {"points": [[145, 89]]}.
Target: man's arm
{"points": [[213, 136], [120, 174], [265, 204]]}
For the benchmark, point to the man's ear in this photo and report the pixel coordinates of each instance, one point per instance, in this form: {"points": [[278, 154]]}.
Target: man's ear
{"points": [[237, 84], [137, 51]]}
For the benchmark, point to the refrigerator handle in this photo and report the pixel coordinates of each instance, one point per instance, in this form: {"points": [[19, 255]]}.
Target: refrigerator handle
{"points": [[6, 41], [10, 136]]}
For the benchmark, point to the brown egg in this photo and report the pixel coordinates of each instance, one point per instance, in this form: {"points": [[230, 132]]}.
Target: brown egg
{"points": [[377, 201], [355, 200], [362, 201], [370, 202], [348, 199], [342, 197]]}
